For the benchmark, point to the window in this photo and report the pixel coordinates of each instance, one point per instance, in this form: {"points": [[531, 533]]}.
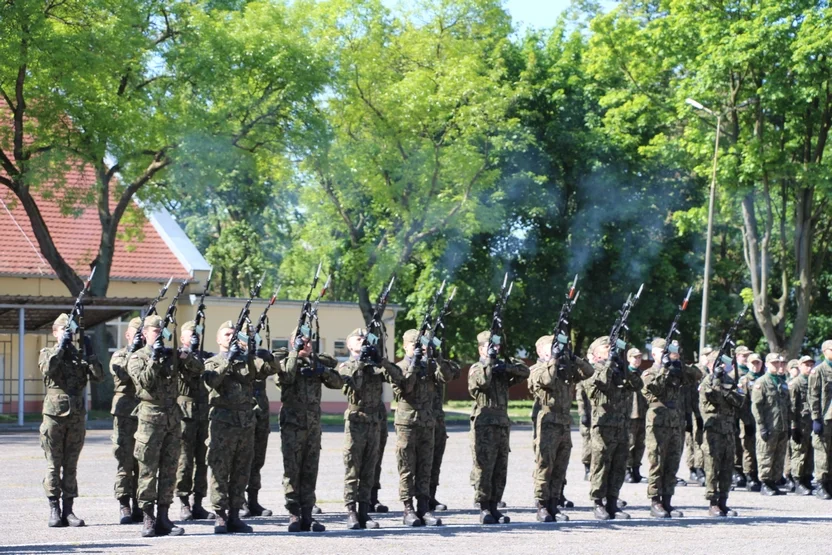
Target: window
{"points": [[280, 344], [341, 351]]}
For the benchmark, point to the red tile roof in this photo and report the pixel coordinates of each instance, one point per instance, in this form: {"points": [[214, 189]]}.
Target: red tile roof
{"points": [[142, 255]]}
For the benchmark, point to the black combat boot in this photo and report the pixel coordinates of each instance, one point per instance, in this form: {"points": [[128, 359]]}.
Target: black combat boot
{"points": [[435, 505], [740, 481], [235, 525], [769, 489], [543, 514], [164, 526], [309, 524], [254, 507], [55, 513], [657, 510], [375, 506], [485, 515], [694, 477], [754, 484], [185, 510], [410, 518], [352, 517], [681, 482], [637, 475], [67, 516], [244, 511], [822, 491], [723, 505], [199, 512], [364, 517], [562, 501], [700, 476], [614, 509], [790, 484], [295, 520], [557, 516], [494, 508], [671, 510], [586, 473], [804, 487], [138, 514], [124, 510], [221, 522], [149, 526], [316, 510], [424, 513], [600, 511], [715, 510], [628, 476]]}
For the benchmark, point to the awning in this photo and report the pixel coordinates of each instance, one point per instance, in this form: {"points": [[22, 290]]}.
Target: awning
{"points": [[40, 312]]}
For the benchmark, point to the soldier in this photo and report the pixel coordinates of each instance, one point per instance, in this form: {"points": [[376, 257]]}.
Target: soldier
{"points": [[720, 401], [770, 407], [585, 421], [801, 428], [550, 381], [192, 473], [748, 428], [663, 384], [300, 377], [488, 383], [65, 374], [375, 506], [155, 373], [693, 429], [364, 375], [440, 434], [609, 391], [230, 376], [635, 452], [820, 403], [415, 424], [124, 428]]}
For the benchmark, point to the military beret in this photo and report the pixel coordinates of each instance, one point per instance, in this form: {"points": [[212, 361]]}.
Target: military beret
{"points": [[190, 325], [793, 363], [634, 353], [153, 321], [135, 323], [754, 357], [775, 357], [410, 336], [483, 337], [659, 343], [357, 332], [827, 345], [544, 342], [228, 324], [600, 342], [743, 350], [61, 321], [806, 358]]}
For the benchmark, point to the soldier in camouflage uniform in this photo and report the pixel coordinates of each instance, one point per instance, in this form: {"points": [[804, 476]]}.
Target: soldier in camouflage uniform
{"points": [[300, 377], [770, 405], [550, 381], [155, 373], [663, 390], [584, 422], [230, 376], [66, 372], [124, 428], [720, 402], [415, 424], [383, 432], [638, 428], [488, 383], [820, 404], [609, 391], [693, 431], [192, 472], [364, 375], [746, 456], [801, 427], [440, 433]]}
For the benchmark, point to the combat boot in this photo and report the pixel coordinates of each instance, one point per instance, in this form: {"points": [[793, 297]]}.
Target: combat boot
{"points": [[740, 481], [138, 515], [754, 484], [244, 511], [199, 512], [375, 506], [694, 477], [628, 476], [55, 513], [254, 507], [561, 500], [364, 517], [485, 515], [700, 476], [235, 525], [769, 489], [316, 510], [637, 475], [295, 521], [614, 509], [600, 511], [149, 522], [671, 510], [221, 522], [586, 473], [352, 517], [804, 487], [657, 509], [424, 514], [436, 505], [500, 518], [681, 482], [124, 510], [556, 514], [543, 514], [791, 484], [410, 518], [309, 524], [164, 526], [715, 510], [185, 511], [723, 505], [621, 503], [67, 516]]}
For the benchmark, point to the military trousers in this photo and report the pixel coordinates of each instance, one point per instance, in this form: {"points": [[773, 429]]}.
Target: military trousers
{"points": [[414, 457], [694, 454], [490, 447], [301, 447], [638, 432], [192, 473], [822, 445], [664, 452], [586, 444], [127, 467], [383, 432], [230, 451], [361, 453], [440, 440], [771, 456], [748, 442], [802, 458], [262, 429], [157, 450], [609, 461], [553, 446], [62, 438], [718, 458]]}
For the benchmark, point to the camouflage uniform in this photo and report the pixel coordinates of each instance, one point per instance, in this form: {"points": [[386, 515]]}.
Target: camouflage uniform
{"points": [[770, 407], [719, 404], [820, 403], [690, 396], [440, 431], [636, 445], [124, 426], [585, 419], [192, 471], [802, 452], [262, 426], [748, 429]]}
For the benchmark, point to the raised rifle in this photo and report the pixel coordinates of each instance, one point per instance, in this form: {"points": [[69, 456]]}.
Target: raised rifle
{"points": [[620, 328], [426, 329], [674, 327], [199, 321], [313, 316], [243, 318], [149, 311], [304, 320], [264, 317], [375, 329], [170, 315], [726, 350], [76, 317], [496, 337], [439, 324], [562, 337]]}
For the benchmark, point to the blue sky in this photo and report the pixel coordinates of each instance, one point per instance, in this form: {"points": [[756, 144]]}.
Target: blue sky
{"points": [[536, 13]]}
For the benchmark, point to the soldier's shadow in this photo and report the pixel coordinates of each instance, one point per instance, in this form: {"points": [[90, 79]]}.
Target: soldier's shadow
{"points": [[66, 548]]}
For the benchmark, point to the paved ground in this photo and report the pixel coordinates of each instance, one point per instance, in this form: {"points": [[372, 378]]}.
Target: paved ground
{"points": [[786, 524]]}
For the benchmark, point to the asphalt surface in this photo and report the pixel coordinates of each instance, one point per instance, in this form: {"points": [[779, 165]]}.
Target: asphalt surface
{"points": [[786, 524]]}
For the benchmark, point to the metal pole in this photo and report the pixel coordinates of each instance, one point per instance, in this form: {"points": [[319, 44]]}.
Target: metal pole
{"points": [[21, 367], [703, 325]]}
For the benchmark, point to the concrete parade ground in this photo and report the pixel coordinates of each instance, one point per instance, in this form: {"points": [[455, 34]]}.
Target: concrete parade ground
{"points": [[786, 524]]}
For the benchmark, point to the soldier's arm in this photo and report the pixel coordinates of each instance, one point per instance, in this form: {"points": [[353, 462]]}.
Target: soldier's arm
{"points": [[602, 377], [758, 404], [410, 374], [517, 371], [542, 376], [192, 365], [330, 377], [118, 368], [580, 370], [655, 382], [634, 380], [216, 369], [143, 370], [266, 368], [352, 373], [479, 378], [50, 363], [444, 371], [94, 368], [794, 402], [392, 374], [814, 394]]}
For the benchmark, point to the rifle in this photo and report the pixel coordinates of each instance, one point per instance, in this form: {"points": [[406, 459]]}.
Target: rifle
{"points": [[375, 329], [726, 350], [620, 327], [170, 315], [313, 315], [199, 325], [435, 341], [497, 316], [674, 327], [561, 334], [245, 311], [264, 317], [151, 309], [76, 317], [426, 328], [305, 310]]}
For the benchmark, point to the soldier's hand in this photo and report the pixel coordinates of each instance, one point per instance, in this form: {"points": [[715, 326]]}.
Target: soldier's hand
{"points": [[797, 435], [418, 353], [299, 343], [138, 342], [158, 349], [66, 339], [765, 435], [375, 354], [366, 353], [265, 354], [194, 345], [817, 426], [234, 351], [492, 351], [666, 362]]}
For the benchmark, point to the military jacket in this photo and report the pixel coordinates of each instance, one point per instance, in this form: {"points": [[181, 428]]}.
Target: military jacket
{"points": [[746, 385], [65, 375], [610, 395], [770, 404], [300, 387], [553, 388], [230, 385], [439, 398], [639, 411], [264, 370], [124, 392], [193, 395], [363, 386], [820, 391], [582, 399], [488, 384], [719, 404], [798, 397], [665, 394], [416, 393], [157, 383]]}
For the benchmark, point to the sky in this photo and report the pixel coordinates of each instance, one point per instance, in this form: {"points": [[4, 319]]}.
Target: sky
{"points": [[539, 14]]}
